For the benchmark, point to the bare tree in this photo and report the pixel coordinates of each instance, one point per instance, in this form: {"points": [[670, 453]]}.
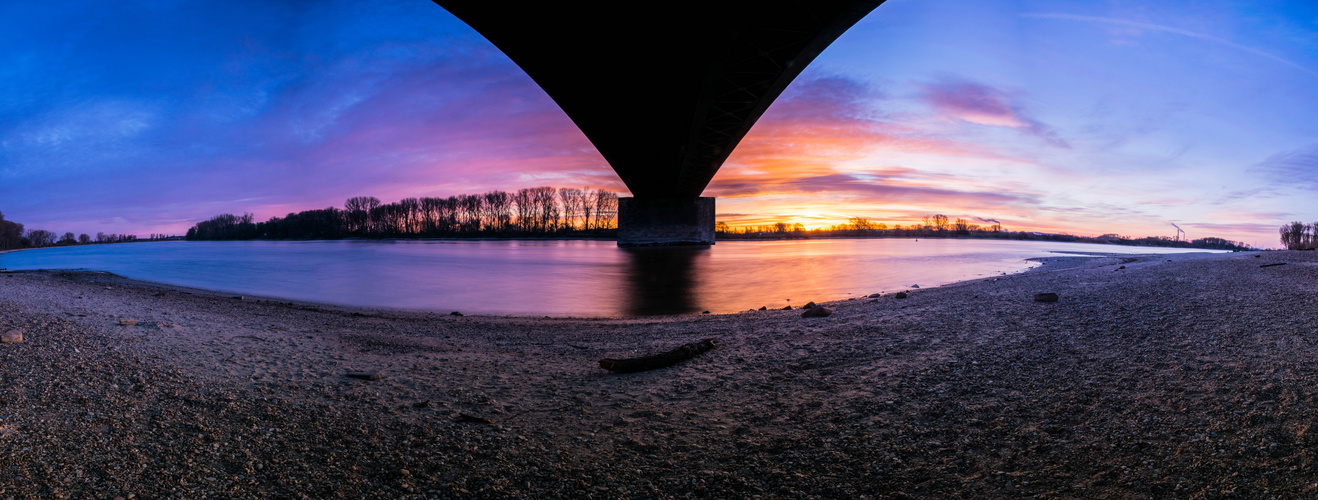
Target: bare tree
{"points": [[41, 238], [469, 212], [498, 210], [861, 224], [962, 226], [606, 209], [574, 203], [430, 215], [11, 234], [448, 214], [359, 210], [546, 209], [940, 222], [1296, 236], [525, 207], [587, 210], [411, 215]]}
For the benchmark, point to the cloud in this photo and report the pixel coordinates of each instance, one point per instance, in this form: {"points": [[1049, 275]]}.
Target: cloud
{"points": [[812, 159], [976, 103], [251, 118], [1169, 29], [1298, 168], [971, 102]]}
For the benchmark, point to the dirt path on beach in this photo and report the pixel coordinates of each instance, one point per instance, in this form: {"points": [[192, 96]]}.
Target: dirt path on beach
{"points": [[1188, 375]]}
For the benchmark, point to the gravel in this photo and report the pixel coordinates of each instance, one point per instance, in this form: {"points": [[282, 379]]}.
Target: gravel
{"points": [[1180, 376]]}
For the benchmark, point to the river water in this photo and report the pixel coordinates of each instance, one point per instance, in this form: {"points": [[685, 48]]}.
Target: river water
{"points": [[558, 278]]}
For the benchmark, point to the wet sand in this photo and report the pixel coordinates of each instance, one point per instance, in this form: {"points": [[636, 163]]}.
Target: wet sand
{"points": [[1188, 375]]}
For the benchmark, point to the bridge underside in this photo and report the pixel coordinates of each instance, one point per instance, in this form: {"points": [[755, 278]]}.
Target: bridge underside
{"points": [[664, 90]]}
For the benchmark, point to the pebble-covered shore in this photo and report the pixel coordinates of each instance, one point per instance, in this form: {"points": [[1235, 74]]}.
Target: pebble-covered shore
{"points": [[1189, 376]]}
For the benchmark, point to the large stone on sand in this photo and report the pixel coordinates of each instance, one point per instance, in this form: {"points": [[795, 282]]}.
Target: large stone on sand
{"points": [[1045, 297], [11, 337], [817, 312]]}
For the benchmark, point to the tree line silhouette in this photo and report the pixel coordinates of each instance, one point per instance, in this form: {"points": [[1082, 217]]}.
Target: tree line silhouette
{"points": [[1300, 236], [538, 211], [13, 237], [941, 226]]}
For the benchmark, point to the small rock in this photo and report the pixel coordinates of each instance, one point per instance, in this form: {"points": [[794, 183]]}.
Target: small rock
{"points": [[127, 322], [704, 312], [1122, 267], [464, 418], [422, 404], [455, 313], [900, 295], [875, 295], [1045, 297], [788, 308], [375, 375], [764, 308], [817, 312], [915, 286], [11, 337], [238, 297], [811, 305]]}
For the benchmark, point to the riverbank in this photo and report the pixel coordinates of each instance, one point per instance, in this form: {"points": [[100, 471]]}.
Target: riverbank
{"points": [[1177, 375]]}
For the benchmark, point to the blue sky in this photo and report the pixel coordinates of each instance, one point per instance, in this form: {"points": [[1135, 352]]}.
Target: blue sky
{"points": [[1084, 117]]}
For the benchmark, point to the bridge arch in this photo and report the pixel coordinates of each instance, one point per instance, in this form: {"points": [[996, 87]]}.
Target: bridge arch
{"points": [[664, 90]]}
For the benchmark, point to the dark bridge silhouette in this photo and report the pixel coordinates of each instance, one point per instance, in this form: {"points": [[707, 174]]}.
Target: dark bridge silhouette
{"points": [[664, 90]]}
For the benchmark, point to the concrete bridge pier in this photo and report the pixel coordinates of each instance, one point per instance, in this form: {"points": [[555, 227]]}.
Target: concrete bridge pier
{"points": [[665, 221]]}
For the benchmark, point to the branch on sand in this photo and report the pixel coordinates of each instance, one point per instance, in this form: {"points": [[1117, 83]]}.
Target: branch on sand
{"points": [[663, 360]]}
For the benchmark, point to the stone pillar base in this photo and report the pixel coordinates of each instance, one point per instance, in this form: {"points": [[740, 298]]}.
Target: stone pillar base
{"points": [[665, 221]]}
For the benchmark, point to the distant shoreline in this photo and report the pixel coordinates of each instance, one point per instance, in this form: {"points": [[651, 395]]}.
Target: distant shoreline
{"points": [[755, 238], [789, 237]]}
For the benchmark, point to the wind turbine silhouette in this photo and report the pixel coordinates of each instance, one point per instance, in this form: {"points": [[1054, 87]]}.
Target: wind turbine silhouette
{"points": [[1179, 232]]}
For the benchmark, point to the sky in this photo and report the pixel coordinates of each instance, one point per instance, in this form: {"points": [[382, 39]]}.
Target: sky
{"points": [[1084, 117]]}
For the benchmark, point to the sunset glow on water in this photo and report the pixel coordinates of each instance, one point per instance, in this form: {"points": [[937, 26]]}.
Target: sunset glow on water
{"points": [[559, 278]]}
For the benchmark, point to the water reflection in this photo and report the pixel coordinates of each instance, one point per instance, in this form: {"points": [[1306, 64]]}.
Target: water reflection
{"points": [[662, 280], [573, 277]]}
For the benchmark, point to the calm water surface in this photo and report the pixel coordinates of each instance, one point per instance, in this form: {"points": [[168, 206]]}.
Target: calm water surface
{"points": [[560, 278]]}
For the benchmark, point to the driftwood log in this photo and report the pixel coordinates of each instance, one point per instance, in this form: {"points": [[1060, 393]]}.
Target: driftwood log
{"points": [[662, 360], [368, 375]]}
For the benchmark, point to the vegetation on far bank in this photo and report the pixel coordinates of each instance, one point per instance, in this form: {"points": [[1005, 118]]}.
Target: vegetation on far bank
{"points": [[565, 212], [940, 226], [531, 212], [1300, 236], [13, 237]]}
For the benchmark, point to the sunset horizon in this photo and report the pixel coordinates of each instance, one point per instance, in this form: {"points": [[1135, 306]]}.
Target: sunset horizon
{"points": [[1080, 119]]}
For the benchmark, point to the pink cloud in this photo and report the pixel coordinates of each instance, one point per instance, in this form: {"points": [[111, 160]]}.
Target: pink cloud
{"points": [[973, 103], [983, 105], [813, 147]]}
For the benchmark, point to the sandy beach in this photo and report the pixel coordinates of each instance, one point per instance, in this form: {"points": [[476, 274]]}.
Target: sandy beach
{"points": [[1189, 375]]}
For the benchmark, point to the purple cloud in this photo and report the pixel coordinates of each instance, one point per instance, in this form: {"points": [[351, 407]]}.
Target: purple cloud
{"points": [[1292, 168], [976, 103]]}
